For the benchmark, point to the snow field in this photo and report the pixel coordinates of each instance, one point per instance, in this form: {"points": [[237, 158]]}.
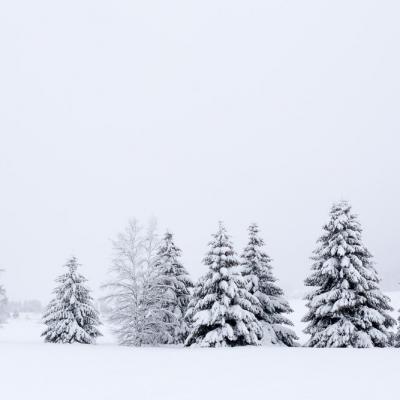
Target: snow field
{"points": [[106, 372], [31, 369]]}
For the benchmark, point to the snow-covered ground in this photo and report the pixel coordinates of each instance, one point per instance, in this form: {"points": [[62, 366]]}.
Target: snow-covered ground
{"points": [[30, 369]]}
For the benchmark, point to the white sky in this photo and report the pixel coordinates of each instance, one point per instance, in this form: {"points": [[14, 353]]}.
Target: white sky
{"points": [[193, 112]]}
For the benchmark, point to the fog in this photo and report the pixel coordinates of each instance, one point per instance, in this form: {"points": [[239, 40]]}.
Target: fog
{"points": [[194, 112]]}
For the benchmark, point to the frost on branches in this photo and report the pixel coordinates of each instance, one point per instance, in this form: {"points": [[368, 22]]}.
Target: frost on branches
{"points": [[174, 282], [257, 269], [139, 307], [224, 312], [71, 316], [346, 308]]}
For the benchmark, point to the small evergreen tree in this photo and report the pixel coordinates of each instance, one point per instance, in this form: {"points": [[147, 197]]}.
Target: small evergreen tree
{"points": [[71, 316], [224, 311], [257, 269], [175, 284], [346, 308]]}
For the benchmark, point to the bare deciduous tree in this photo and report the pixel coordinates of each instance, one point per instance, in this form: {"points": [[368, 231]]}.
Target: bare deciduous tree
{"points": [[135, 292]]}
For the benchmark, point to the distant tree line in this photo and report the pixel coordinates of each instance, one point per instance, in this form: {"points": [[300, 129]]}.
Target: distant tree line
{"points": [[3, 304], [151, 300], [25, 306]]}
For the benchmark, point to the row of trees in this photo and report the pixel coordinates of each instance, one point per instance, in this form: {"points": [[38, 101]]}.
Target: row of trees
{"points": [[238, 303], [153, 301]]}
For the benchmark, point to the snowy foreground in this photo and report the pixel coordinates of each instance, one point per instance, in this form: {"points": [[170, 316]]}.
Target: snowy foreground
{"points": [[30, 369]]}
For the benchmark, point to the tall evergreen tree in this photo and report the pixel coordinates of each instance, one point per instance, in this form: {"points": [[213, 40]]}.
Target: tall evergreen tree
{"points": [[71, 316], [175, 283], [346, 308], [257, 269], [224, 311]]}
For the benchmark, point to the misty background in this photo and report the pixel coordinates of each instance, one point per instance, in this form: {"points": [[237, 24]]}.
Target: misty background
{"points": [[194, 112]]}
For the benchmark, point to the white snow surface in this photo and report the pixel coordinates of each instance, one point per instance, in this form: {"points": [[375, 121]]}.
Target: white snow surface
{"points": [[31, 369]]}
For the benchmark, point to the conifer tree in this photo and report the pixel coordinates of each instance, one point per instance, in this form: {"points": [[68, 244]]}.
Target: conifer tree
{"points": [[257, 269], [346, 307], [224, 311], [174, 282], [71, 316], [395, 336], [194, 298]]}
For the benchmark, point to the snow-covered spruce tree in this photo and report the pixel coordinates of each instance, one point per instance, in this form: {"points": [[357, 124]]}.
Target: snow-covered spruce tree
{"points": [[224, 311], [176, 284], [196, 295], [71, 316], [257, 269], [395, 336], [136, 297], [346, 307]]}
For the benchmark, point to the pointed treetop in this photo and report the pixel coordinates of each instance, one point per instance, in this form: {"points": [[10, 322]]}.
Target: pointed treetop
{"points": [[254, 238], [72, 264], [253, 228], [221, 250], [341, 213], [221, 232]]}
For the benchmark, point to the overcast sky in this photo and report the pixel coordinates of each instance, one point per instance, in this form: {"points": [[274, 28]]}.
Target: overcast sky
{"points": [[194, 112]]}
